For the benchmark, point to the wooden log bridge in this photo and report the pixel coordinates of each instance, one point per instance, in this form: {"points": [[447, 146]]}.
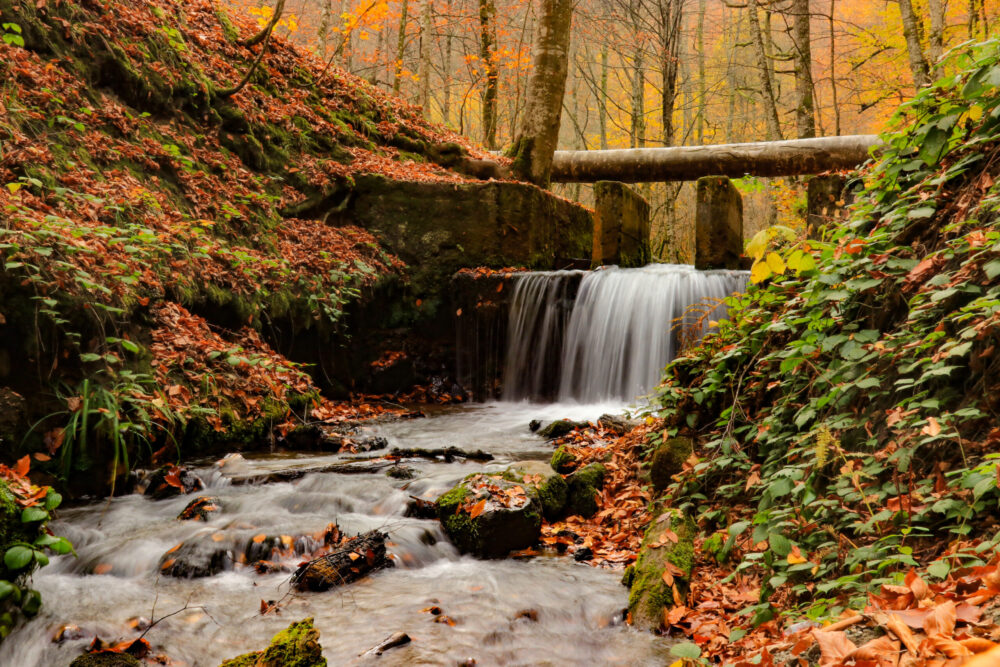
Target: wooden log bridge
{"points": [[688, 163]]}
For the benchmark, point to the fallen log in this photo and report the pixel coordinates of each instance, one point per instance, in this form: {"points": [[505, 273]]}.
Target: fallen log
{"points": [[292, 474], [449, 454], [689, 163], [356, 558]]}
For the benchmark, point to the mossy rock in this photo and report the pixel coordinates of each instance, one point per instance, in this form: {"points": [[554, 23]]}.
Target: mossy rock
{"points": [[498, 530], [12, 529], [649, 594], [563, 461], [295, 646], [559, 428], [553, 491], [583, 487], [668, 460], [106, 660]]}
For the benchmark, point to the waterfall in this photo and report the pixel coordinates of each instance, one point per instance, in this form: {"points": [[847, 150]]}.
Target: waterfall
{"points": [[606, 334]]}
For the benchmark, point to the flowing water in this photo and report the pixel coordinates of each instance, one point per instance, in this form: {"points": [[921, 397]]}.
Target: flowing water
{"points": [[578, 607], [590, 336]]}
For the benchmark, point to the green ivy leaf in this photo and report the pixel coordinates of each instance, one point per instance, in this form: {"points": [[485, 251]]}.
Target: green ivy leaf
{"points": [[33, 514], [687, 650], [17, 557]]}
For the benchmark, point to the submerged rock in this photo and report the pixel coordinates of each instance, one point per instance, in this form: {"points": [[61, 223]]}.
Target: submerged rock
{"points": [[563, 461], [660, 577], [170, 481], [200, 509], [551, 487], [559, 428], [668, 460], [295, 646], [583, 487], [401, 472], [106, 659], [490, 516]]}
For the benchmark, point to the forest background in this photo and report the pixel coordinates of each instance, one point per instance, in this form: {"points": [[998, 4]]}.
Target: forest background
{"points": [[650, 73]]}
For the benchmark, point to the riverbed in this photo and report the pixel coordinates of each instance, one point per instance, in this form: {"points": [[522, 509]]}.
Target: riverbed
{"points": [[490, 606]]}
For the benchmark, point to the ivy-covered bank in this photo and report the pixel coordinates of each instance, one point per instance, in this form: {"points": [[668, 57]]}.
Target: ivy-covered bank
{"points": [[846, 416]]}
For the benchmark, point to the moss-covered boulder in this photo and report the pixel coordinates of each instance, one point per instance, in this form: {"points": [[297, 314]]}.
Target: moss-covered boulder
{"points": [[106, 659], [553, 491], [490, 515], [559, 428], [667, 547], [668, 460], [563, 461], [295, 646], [12, 529], [584, 485]]}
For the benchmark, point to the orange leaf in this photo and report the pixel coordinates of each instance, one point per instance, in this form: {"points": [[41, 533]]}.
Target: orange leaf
{"points": [[102, 568], [977, 644], [834, 647], [257, 539], [917, 585], [477, 509], [932, 428], [353, 556], [941, 621], [167, 563], [22, 466], [668, 578]]}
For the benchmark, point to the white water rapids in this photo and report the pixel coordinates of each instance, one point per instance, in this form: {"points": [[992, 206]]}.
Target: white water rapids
{"points": [[590, 336]]}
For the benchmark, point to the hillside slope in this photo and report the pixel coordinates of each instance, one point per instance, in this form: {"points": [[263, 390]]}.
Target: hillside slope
{"points": [[134, 190]]}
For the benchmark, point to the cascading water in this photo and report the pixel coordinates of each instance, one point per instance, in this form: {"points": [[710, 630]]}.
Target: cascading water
{"points": [[613, 340]]}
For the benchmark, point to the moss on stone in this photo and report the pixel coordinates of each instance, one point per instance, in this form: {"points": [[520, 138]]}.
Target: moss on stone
{"points": [[668, 460], [583, 487], [563, 461], [296, 646], [498, 530], [105, 660], [649, 594], [559, 428], [12, 530], [551, 488]]}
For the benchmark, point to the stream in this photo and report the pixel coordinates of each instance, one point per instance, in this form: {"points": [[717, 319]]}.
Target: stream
{"points": [[578, 607]]}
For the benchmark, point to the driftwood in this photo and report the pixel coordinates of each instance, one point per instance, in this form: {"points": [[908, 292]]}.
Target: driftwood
{"points": [[688, 163], [354, 559], [398, 639], [448, 453]]}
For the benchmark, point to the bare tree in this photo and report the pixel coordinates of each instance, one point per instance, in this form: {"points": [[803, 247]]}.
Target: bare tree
{"points": [[912, 33]]}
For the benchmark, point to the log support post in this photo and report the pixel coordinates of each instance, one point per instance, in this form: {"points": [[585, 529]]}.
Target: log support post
{"points": [[621, 226], [827, 198], [718, 224]]}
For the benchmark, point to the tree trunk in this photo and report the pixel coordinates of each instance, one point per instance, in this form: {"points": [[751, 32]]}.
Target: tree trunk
{"points": [[487, 55], [805, 112], [539, 131], [602, 104], [446, 83], [637, 131], [686, 163], [670, 31], [935, 48], [426, 24], [400, 48], [911, 31], [833, 71], [764, 69], [702, 83]]}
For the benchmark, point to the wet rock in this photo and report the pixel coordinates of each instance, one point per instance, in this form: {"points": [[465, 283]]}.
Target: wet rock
{"points": [[296, 646], [490, 516], [314, 438], [196, 559], [559, 428], [668, 460], [617, 423], [393, 641], [170, 481], [200, 509], [449, 454], [106, 659], [551, 487], [659, 578], [401, 472], [534, 425], [418, 508], [13, 408], [527, 614], [583, 487], [583, 553], [563, 461], [354, 559]]}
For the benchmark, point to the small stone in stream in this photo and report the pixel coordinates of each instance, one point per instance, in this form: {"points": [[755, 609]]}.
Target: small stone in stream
{"points": [[418, 508], [401, 472], [582, 554], [195, 559], [106, 660], [563, 461], [200, 508], [527, 614], [296, 646], [428, 538], [398, 639], [534, 425], [67, 632], [468, 662], [583, 487], [170, 481], [559, 428]]}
